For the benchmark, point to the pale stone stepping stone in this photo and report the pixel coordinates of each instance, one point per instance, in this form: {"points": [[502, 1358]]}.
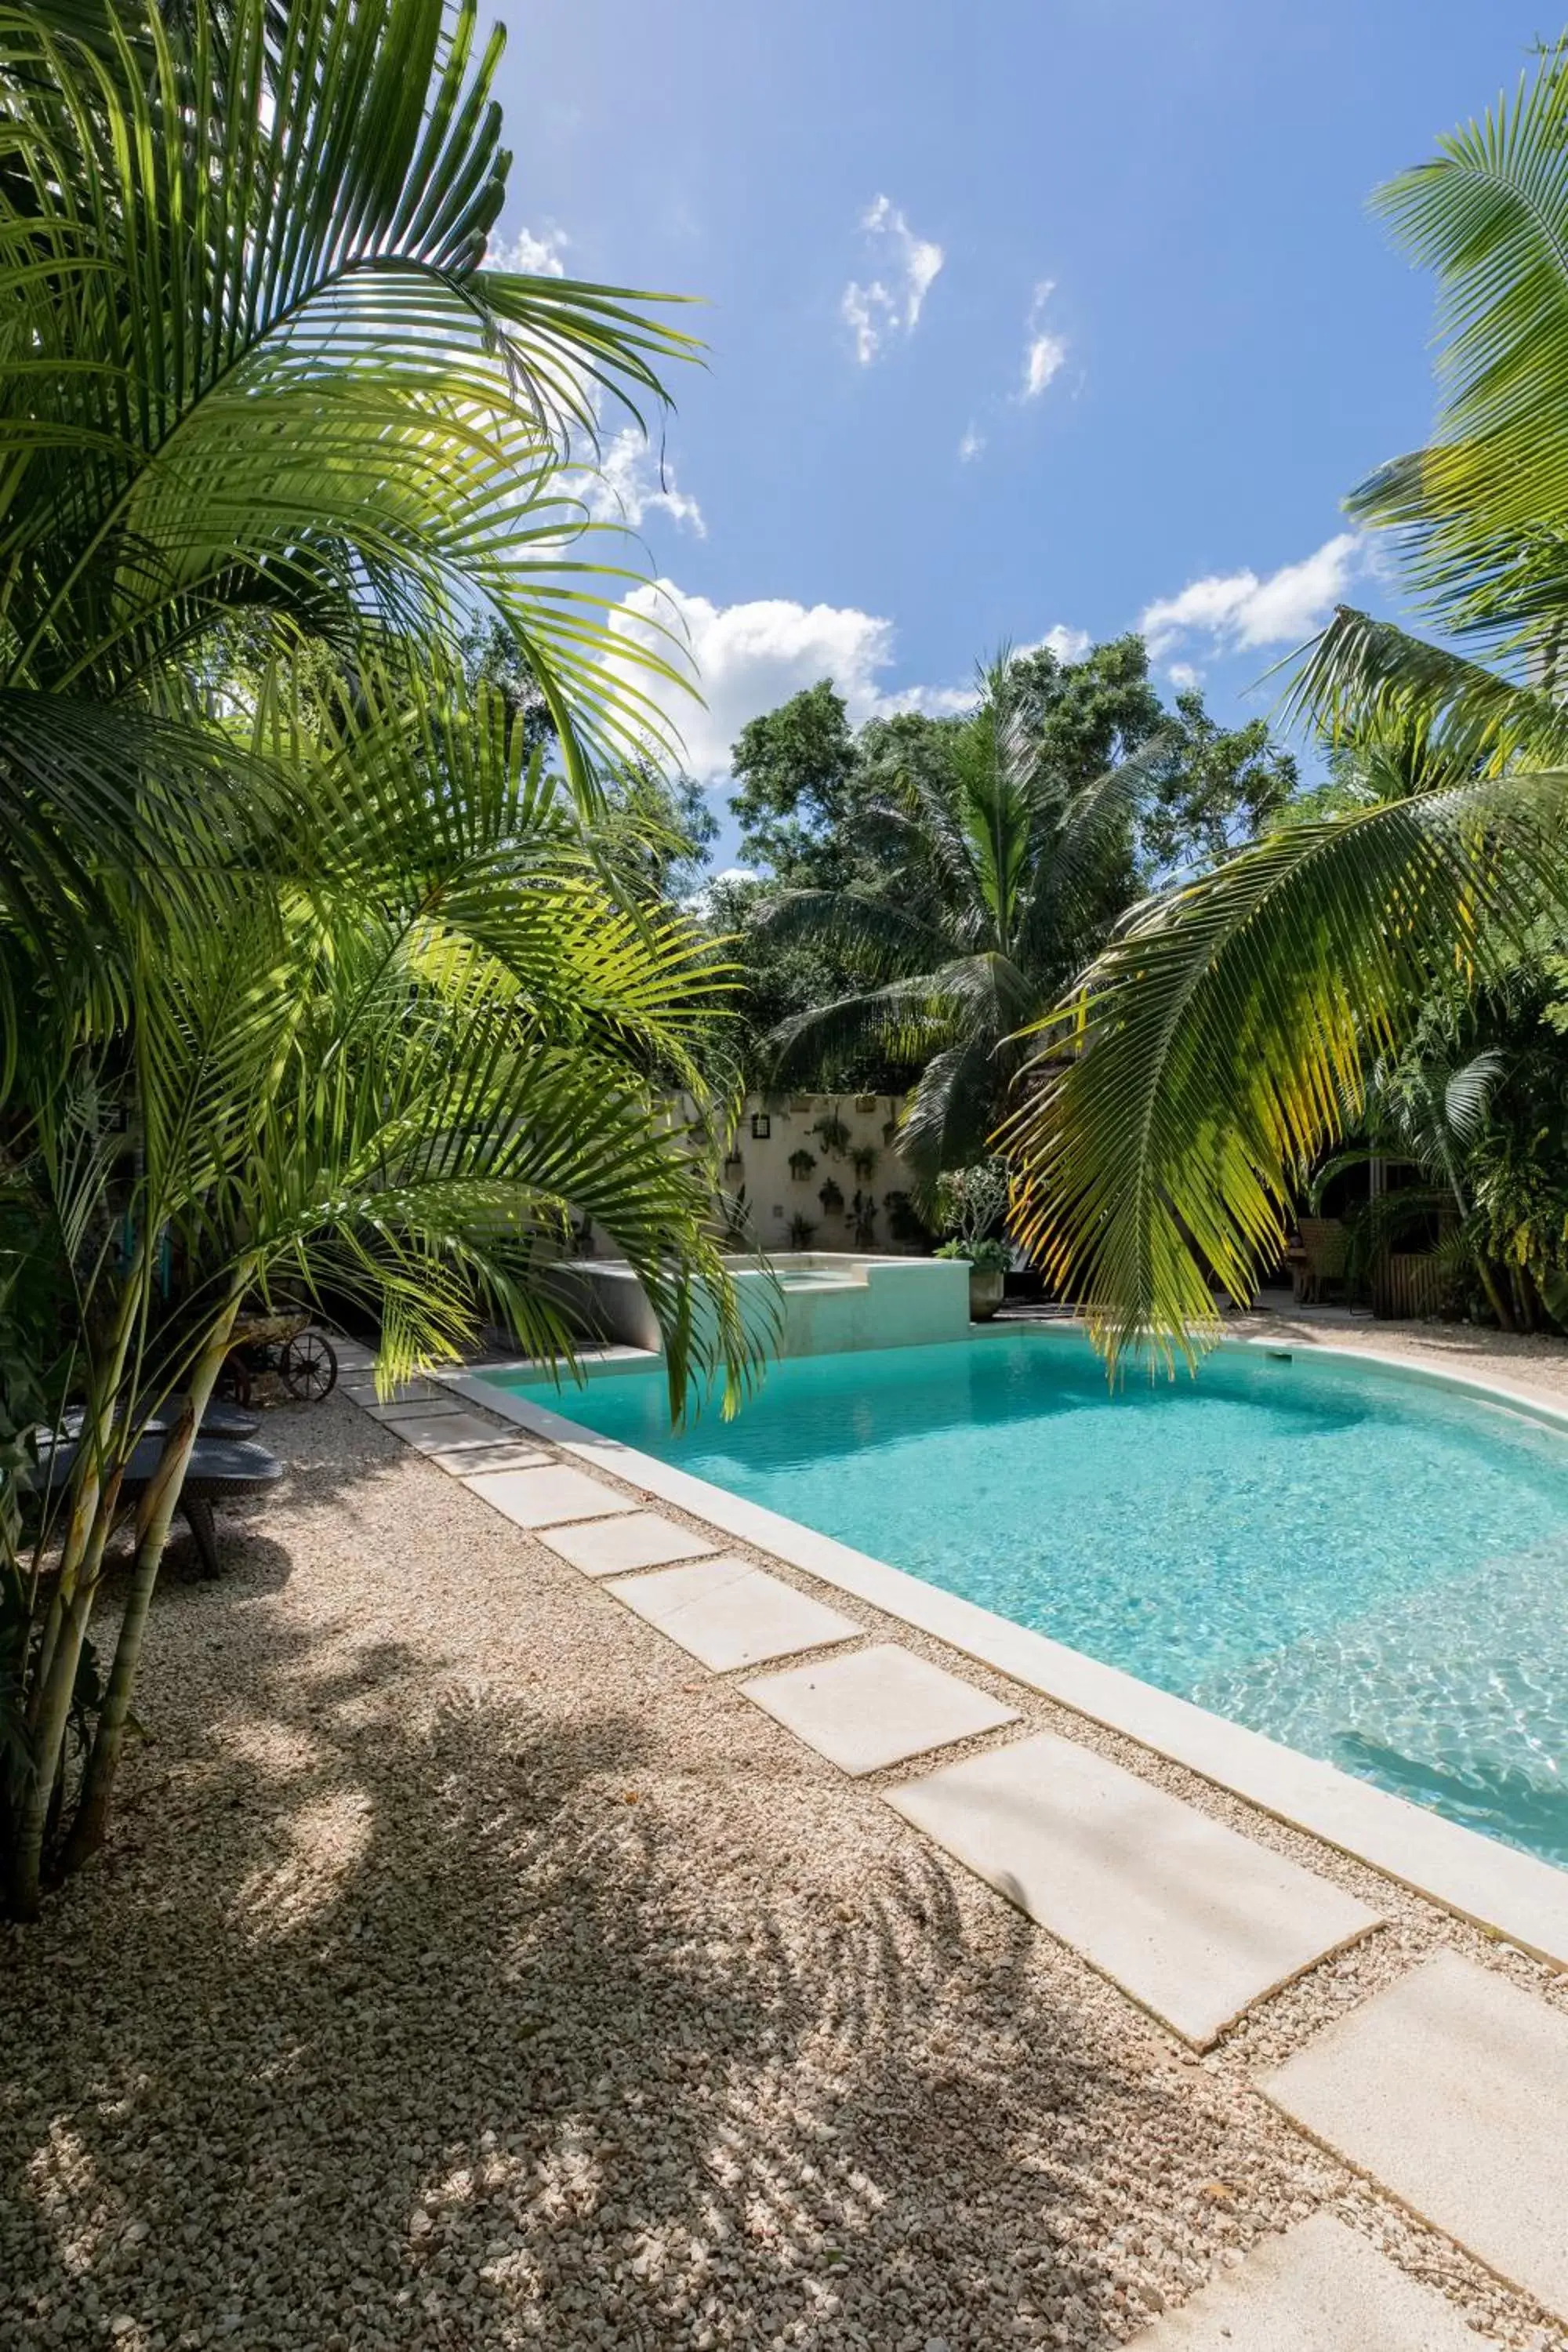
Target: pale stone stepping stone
{"points": [[611, 1547], [1194, 1921], [877, 1706], [539, 1499], [416, 1402], [434, 1433], [1450, 2090], [728, 1614], [1320, 2288], [471, 1456]]}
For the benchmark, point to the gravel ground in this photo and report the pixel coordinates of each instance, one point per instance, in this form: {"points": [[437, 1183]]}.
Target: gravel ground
{"points": [[470, 1969]]}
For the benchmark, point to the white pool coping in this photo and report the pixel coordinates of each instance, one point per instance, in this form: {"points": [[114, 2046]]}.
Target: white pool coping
{"points": [[1510, 1895]]}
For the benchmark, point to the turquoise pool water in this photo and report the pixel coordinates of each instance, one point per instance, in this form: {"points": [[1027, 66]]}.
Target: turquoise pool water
{"points": [[1369, 1568]]}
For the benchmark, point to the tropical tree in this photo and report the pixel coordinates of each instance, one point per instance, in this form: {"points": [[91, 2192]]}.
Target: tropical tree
{"points": [[1223, 1037], [311, 972], [256, 370], [1007, 879], [424, 1040]]}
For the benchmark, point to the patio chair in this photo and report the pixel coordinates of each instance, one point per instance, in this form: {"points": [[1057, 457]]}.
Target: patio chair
{"points": [[1323, 1261]]}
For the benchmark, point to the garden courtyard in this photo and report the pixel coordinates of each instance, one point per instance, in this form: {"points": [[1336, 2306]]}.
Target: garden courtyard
{"points": [[473, 1969]]}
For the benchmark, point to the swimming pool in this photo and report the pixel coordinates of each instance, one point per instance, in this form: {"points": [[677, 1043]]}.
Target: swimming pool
{"points": [[1367, 1567]]}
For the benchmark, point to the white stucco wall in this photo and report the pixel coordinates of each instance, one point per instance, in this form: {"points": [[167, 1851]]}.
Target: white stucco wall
{"points": [[775, 1197]]}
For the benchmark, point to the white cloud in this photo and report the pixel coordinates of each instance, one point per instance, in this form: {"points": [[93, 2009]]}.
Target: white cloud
{"points": [[1236, 610], [631, 482], [1067, 644], [1045, 355], [887, 307], [972, 443], [535, 255], [1184, 677], [750, 657]]}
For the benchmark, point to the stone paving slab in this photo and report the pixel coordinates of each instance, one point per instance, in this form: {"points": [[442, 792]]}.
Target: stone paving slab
{"points": [[1194, 1921], [414, 1404], [729, 1613], [612, 1547], [1450, 2090], [435, 1432], [1319, 2288], [539, 1499], [877, 1708], [470, 1456]]}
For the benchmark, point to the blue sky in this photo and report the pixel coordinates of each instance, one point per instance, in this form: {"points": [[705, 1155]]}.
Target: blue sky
{"points": [[1022, 316]]}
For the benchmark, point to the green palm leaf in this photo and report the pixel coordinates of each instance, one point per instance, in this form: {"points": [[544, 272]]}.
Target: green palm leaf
{"points": [[1221, 1040]]}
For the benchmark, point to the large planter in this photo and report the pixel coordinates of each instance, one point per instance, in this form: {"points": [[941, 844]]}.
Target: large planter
{"points": [[984, 1293]]}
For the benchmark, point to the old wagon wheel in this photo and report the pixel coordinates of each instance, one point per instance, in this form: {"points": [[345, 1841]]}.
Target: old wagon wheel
{"points": [[309, 1367]]}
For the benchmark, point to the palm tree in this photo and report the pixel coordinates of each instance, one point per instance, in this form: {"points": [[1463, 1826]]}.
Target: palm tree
{"points": [[1223, 1037], [1006, 881], [257, 373], [424, 1040], [305, 964]]}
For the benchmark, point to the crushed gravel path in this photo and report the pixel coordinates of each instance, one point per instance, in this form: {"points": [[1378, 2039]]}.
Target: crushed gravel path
{"points": [[471, 1970]]}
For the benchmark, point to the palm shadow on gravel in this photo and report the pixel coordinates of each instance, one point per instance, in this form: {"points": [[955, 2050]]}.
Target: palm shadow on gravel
{"points": [[454, 2025]]}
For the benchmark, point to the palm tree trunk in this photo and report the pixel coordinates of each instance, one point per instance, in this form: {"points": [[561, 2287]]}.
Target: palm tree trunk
{"points": [[53, 1694], [1488, 1280], [153, 1520], [53, 1683]]}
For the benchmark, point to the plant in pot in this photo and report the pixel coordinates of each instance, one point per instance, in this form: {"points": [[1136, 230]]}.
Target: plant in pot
{"points": [[802, 1232], [972, 1204], [833, 1135], [863, 1219], [831, 1197], [801, 1164], [863, 1159]]}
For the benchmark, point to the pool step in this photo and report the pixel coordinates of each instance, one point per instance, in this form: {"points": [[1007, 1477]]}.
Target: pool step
{"points": [[1194, 1921], [1450, 2091], [1319, 2288], [875, 1707]]}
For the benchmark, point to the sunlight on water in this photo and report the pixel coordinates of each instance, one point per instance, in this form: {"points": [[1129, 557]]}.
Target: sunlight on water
{"points": [[1368, 1569]]}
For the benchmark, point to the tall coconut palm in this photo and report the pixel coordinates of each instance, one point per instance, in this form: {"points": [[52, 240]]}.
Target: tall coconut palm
{"points": [[1007, 882], [1225, 1036]]}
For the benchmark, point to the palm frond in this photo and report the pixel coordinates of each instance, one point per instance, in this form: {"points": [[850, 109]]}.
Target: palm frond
{"points": [[1225, 1036]]}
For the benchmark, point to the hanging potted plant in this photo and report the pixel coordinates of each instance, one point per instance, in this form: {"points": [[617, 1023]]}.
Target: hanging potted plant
{"points": [[801, 1164], [831, 1197], [863, 1219], [802, 1232], [834, 1134], [863, 1159]]}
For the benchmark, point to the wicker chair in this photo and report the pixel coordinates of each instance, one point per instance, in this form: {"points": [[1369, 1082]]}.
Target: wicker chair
{"points": [[1324, 1259]]}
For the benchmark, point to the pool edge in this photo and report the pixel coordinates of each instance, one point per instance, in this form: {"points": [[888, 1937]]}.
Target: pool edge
{"points": [[1513, 1895]]}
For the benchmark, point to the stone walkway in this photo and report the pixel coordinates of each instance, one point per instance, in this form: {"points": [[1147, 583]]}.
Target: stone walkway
{"points": [[1448, 2090]]}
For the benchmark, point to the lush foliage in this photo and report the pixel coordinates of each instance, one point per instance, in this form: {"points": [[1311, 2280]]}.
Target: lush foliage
{"points": [[869, 817], [944, 880], [330, 977], [1226, 1035]]}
